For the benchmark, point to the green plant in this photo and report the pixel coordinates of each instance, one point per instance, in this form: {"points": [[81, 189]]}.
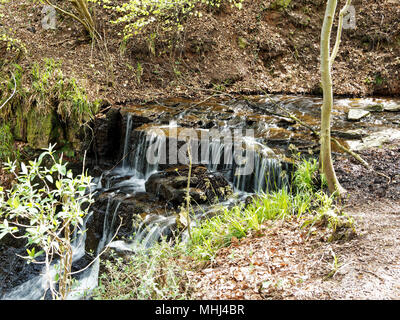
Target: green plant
{"points": [[280, 4], [11, 90], [139, 72], [157, 273], [46, 207], [218, 231], [13, 47], [306, 177]]}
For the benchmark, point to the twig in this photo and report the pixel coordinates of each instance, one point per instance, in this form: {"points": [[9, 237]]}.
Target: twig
{"points": [[12, 95]]}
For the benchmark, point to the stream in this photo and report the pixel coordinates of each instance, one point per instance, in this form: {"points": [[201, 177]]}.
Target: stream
{"points": [[237, 148]]}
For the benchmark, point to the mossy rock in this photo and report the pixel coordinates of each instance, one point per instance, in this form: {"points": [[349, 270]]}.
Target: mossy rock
{"points": [[43, 129], [19, 124]]}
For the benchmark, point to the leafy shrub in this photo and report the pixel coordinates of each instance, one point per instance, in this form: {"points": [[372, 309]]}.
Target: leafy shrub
{"points": [[46, 207], [170, 14]]}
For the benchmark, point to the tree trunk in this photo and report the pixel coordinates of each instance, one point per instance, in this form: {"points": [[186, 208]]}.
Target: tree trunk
{"points": [[326, 163]]}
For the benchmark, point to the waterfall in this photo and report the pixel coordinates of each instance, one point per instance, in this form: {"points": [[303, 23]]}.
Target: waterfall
{"points": [[143, 160], [265, 171], [88, 279], [140, 161], [126, 142]]}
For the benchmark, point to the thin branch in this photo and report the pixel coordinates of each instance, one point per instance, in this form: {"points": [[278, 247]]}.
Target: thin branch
{"points": [[339, 32], [12, 95]]}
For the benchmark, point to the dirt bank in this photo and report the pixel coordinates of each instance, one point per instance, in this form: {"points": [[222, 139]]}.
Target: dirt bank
{"points": [[229, 50]]}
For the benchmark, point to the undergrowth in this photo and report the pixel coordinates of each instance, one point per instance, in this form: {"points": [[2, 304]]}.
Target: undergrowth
{"points": [[51, 87], [155, 274]]}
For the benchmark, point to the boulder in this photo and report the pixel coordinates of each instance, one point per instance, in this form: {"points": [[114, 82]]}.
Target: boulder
{"points": [[171, 185]]}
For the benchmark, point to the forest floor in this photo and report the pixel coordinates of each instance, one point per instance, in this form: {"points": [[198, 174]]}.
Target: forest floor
{"points": [[287, 263]]}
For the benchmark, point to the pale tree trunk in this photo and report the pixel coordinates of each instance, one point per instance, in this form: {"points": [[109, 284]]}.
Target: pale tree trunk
{"points": [[326, 163]]}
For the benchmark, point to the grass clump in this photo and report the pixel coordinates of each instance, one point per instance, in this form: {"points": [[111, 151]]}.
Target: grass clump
{"points": [[50, 87], [237, 222]]}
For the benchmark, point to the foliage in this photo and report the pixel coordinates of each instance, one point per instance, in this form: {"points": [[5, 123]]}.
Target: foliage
{"points": [[155, 273], [12, 46], [137, 14], [280, 4], [46, 207]]}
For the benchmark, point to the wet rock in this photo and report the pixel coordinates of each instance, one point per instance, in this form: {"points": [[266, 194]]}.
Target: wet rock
{"points": [[107, 132], [375, 139], [49, 130], [171, 185], [350, 134], [392, 107], [357, 114], [123, 212]]}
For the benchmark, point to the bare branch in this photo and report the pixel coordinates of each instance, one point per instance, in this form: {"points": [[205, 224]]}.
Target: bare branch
{"points": [[12, 95], [339, 32]]}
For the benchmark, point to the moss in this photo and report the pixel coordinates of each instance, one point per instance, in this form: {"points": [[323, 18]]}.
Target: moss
{"points": [[242, 43], [19, 124], [43, 129]]}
